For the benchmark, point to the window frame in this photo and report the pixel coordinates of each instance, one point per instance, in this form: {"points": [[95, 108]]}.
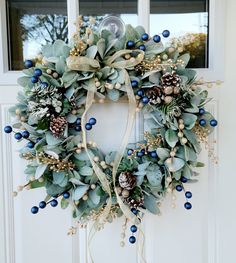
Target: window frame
{"points": [[215, 49]]}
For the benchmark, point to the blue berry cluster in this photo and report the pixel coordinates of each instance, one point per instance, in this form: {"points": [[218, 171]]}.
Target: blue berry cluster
{"points": [[21, 135], [145, 37], [88, 126], [144, 98], [37, 73], [188, 194], [202, 122], [53, 203]]}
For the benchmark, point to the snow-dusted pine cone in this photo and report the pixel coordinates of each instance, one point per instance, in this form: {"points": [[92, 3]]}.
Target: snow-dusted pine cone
{"points": [[127, 180], [135, 203], [57, 126], [170, 83], [155, 95]]}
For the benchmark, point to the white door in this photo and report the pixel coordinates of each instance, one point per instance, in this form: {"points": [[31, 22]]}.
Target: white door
{"points": [[204, 235]]}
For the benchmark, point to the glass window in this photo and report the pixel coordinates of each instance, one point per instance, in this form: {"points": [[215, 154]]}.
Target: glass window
{"points": [[188, 23], [32, 24], [125, 9]]}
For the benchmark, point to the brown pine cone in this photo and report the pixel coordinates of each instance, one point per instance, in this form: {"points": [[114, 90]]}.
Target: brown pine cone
{"points": [[170, 80], [135, 203], [155, 94], [127, 180], [57, 126]]}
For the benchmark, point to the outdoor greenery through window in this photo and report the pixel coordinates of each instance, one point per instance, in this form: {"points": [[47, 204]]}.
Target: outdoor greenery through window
{"points": [[188, 23], [32, 24]]}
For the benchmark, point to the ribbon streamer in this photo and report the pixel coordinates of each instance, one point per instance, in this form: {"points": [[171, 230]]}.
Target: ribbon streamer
{"points": [[92, 65]]}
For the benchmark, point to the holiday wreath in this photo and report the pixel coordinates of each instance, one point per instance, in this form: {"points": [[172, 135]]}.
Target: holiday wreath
{"points": [[52, 116]]}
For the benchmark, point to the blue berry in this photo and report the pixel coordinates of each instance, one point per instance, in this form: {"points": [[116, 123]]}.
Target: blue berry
{"points": [[8, 129], [38, 72], [78, 121], [30, 145], [29, 63], [86, 18], [18, 136], [145, 37], [44, 84], [202, 122], [140, 92], [179, 188], [78, 128], [133, 229], [157, 38], [134, 211], [139, 154], [54, 203], [188, 205], [166, 33], [25, 134], [92, 121], [42, 204], [188, 194], [130, 44], [142, 47], [201, 111], [132, 239], [34, 79], [38, 140], [145, 100], [153, 154], [184, 180], [213, 123], [88, 126], [129, 152], [34, 210], [134, 83], [66, 195]]}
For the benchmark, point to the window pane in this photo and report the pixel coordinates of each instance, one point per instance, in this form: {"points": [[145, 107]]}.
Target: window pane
{"points": [[126, 10], [32, 24], [188, 23]]}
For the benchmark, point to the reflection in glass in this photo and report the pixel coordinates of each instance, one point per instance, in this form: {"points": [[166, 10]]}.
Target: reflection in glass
{"points": [[188, 24], [33, 24], [126, 10]]}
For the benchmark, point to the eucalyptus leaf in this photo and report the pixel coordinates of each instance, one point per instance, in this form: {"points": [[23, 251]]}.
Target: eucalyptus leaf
{"points": [[86, 171], [79, 192], [175, 165], [150, 202], [163, 153], [94, 197], [58, 177], [40, 170], [171, 137]]}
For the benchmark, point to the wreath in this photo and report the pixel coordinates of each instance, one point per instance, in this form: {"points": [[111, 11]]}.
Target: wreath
{"points": [[52, 120]]}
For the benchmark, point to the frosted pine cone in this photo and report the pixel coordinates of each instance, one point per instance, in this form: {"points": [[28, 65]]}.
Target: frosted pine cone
{"points": [[127, 180], [155, 95], [135, 202], [170, 83], [57, 126]]}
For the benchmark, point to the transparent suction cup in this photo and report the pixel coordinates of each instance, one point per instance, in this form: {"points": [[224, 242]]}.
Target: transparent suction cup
{"points": [[113, 24]]}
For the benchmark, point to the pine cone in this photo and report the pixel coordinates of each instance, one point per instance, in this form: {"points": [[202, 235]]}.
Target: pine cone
{"points": [[155, 95], [135, 203], [127, 180], [170, 83], [57, 126]]}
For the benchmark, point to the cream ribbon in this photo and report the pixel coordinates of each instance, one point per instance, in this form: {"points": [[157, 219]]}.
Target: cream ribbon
{"points": [[77, 63]]}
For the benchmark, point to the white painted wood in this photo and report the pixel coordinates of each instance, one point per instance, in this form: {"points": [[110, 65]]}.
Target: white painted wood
{"points": [[206, 234]]}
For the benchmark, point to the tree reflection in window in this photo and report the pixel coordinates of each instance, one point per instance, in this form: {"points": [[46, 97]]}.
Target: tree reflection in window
{"points": [[33, 24]]}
